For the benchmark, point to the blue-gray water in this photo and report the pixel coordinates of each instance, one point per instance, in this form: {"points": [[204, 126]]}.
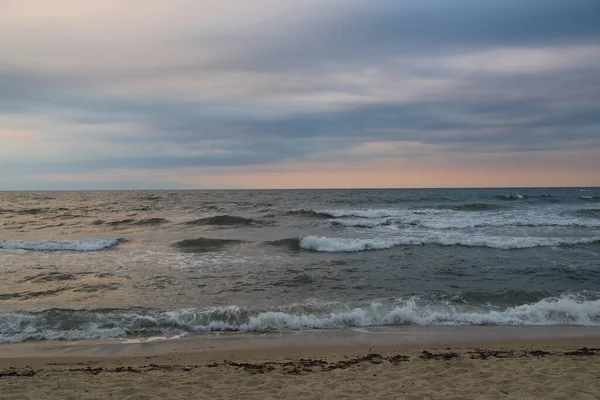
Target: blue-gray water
{"points": [[114, 264]]}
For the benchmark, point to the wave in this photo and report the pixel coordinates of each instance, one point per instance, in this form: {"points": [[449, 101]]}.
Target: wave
{"points": [[53, 276], [590, 198], [292, 244], [329, 244], [397, 213], [203, 245], [58, 245], [472, 207], [588, 212], [150, 197], [83, 288], [131, 221], [334, 245], [461, 216], [308, 213], [463, 207], [448, 217], [368, 213], [450, 223], [127, 221], [569, 309], [224, 220], [31, 295], [365, 223], [152, 221], [517, 196], [510, 197]]}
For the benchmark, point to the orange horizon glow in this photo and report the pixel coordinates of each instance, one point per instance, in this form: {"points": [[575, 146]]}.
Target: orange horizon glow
{"points": [[425, 172]]}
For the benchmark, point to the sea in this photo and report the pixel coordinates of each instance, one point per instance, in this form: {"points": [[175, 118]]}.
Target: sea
{"points": [[130, 264]]}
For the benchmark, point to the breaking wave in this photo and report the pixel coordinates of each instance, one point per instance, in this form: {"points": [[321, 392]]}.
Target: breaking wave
{"points": [[369, 213], [544, 197], [475, 215], [332, 244], [57, 245], [105, 323], [472, 207], [444, 222], [510, 197], [365, 223], [588, 212]]}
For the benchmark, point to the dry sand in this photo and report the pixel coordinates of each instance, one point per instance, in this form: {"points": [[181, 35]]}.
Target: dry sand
{"points": [[567, 368]]}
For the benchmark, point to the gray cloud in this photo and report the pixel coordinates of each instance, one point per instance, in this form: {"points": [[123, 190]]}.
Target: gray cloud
{"points": [[412, 71], [369, 31]]}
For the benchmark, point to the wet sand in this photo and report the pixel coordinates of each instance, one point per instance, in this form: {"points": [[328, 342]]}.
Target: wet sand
{"points": [[410, 363]]}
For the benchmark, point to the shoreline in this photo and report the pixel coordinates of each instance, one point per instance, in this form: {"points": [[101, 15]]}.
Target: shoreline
{"points": [[449, 363], [384, 337]]}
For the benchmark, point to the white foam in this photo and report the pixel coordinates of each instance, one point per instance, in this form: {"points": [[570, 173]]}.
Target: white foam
{"points": [[363, 223], [506, 242], [452, 219], [515, 196], [457, 220], [56, 245], [17, 327], [153, 339], [329, 244], [551, 311], [566, 309], [368, 213]]}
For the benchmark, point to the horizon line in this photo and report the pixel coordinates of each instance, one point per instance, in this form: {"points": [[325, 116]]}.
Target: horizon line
{"points": [[332, 188]]}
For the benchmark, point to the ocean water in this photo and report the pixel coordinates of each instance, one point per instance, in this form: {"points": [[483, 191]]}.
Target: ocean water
{"points": [[78, 265]]}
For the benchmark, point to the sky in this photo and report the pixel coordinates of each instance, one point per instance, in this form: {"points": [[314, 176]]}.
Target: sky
{"points": [[160, 94]]}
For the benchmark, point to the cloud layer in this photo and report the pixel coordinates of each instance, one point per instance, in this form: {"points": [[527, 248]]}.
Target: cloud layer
{"points": [[238, 94]]}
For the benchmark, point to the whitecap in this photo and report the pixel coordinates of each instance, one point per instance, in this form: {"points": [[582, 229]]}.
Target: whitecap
{"points": [[56, 245]]}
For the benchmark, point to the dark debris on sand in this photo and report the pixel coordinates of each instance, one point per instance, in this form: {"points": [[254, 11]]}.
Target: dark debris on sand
{"points": [[426, 355], [310, 365], [539, 353], [319, 365], [584, 351], [19, 373], [484, 354], [98, 370]]}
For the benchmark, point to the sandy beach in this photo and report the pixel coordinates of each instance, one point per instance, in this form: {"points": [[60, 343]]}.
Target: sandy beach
{"points": [[307, 367]]}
